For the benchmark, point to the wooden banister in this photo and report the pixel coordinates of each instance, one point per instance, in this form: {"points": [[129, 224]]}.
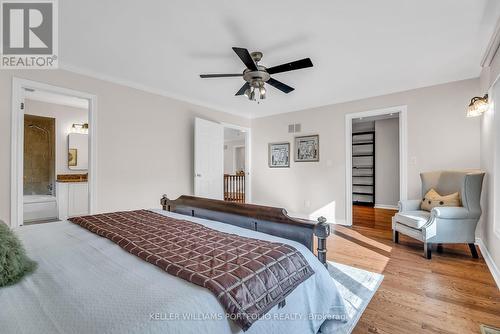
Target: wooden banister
{"points": [[234, 188]]}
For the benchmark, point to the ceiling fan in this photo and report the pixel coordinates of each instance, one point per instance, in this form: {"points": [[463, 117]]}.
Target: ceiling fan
{"points": [[257, 75]]}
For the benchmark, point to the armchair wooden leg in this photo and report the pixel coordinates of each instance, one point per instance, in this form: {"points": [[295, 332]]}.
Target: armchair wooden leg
{"points": [[473, 251], [395, 236], [427, 250]]}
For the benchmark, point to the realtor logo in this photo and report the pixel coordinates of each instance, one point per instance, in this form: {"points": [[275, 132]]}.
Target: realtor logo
{"points": [[29, 34]]}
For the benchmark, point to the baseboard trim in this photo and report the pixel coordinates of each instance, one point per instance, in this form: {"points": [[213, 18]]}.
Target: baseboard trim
{"points": [[342, 222], [387, 207], [489, 261]]}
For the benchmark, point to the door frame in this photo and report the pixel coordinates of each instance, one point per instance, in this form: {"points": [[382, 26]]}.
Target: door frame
{"points": [[17, 143], [248, 158], [403, 152]]}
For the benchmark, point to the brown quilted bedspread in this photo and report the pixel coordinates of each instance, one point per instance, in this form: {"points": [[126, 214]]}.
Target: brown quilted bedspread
{"points": [[248, 276]]}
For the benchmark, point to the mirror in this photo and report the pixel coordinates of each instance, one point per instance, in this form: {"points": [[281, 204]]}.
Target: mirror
{"points": [[78, 151]]}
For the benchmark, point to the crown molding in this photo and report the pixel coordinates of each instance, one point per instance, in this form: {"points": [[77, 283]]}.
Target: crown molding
{"points": [[144, 88], [492, 47]]}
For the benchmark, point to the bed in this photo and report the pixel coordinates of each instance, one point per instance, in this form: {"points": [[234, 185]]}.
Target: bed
{"points": [[88, 284]]}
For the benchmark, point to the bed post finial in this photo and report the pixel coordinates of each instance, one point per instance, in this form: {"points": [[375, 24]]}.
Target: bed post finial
{"points": [[322, 231], [164, 201]]}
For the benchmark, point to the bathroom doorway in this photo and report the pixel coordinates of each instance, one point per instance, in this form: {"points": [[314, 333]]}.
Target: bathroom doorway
{"points": [[53, 148], [39, 169], [55, 157]]}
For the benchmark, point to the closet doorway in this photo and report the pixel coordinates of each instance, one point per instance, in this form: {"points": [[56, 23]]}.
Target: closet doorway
{"points": [[375, 164]]}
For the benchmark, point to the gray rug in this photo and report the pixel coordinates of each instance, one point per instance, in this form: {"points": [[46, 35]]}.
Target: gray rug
{"points": [[357, 287]]}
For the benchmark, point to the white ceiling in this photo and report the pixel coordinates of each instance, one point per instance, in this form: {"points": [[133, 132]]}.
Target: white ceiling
{"points": [[359, 48]]}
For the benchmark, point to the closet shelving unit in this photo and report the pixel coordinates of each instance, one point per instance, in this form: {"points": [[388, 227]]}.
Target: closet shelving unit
{"points": [[363, 168]]}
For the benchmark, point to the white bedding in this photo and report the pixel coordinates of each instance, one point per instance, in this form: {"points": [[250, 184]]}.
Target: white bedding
{"points": [[87, 284]]}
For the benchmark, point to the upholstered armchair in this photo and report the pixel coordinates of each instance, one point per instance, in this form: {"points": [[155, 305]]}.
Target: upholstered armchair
{"points": [[443, 224]]}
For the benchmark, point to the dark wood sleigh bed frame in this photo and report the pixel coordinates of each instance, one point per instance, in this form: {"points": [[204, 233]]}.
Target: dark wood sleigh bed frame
{"points": [[266, 219]]}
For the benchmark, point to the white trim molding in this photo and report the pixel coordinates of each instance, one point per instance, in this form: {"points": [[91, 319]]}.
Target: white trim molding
{"points": [[386, 207], [495, 272], [17, 143], [492, 47], [403, 152]]}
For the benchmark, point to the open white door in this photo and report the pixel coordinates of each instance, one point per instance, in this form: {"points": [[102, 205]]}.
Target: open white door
{"points": [[208, 159]]}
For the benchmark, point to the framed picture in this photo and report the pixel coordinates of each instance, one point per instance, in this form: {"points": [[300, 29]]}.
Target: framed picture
{"points": [[72, 157], [307, 148], [279, 155]]}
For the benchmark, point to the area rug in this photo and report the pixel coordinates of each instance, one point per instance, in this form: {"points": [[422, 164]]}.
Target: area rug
{"points": [[357, 288]]}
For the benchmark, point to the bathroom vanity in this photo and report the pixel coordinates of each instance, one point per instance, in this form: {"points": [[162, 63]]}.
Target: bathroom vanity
{"points": [[73, 189], [73, 195]]}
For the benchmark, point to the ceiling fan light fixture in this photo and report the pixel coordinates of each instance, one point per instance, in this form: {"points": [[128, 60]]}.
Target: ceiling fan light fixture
{"points": [[255, 75], [251, 97], [262, 92], [248, 92]]}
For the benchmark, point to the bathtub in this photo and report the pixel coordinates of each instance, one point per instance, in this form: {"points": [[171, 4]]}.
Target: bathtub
{"points": [[39, 207]]}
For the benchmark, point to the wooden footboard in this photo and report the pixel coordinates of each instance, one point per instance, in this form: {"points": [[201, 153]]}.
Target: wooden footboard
{"points": [[266, 219]]}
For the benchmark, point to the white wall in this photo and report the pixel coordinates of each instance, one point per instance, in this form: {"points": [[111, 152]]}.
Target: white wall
{"points": [[229, 154], [239, 159], [144, 141], [80, 142], [387, 162], [65, 117], [439, 137], [489, 225]]}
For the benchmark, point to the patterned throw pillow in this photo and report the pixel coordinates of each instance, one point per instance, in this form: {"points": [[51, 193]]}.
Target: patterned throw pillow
{"points": [[433, 199]]}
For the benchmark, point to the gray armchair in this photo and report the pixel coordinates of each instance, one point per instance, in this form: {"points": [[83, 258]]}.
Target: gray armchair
{"points": [[443, 224]]}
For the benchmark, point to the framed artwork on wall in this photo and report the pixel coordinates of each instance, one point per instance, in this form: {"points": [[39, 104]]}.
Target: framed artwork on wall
{"points": [[72, 157], [307, 148], [279, 155]]}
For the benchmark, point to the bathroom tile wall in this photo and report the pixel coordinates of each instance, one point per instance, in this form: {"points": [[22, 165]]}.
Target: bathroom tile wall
{"points": [[39, 155]]}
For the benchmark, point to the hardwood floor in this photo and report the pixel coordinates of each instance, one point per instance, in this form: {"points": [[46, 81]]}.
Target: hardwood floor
{"points": [[452, 293]]}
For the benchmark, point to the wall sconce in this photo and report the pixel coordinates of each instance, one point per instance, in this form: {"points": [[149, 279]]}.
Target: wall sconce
{"points": [[478, 105], [80, 128]]}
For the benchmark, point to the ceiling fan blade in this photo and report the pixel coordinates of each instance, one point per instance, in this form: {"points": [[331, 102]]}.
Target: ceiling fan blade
{"points": [[246, 58], [279, 85], [243, 89], [294, 65], [220, 75]]}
